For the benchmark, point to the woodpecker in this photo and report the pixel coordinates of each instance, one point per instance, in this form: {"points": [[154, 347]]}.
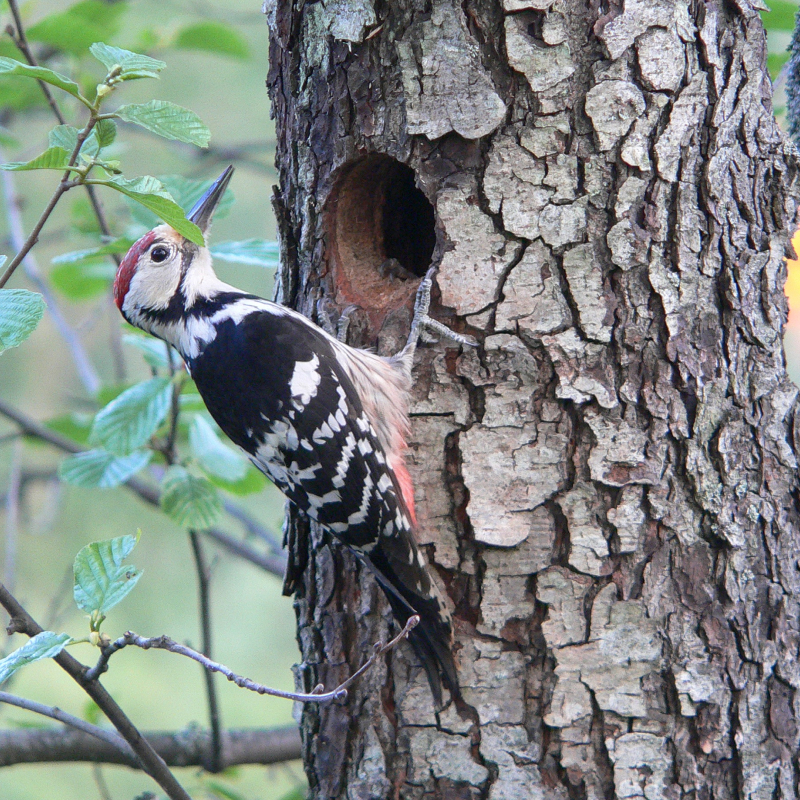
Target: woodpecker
{"points": [[327, 423]]}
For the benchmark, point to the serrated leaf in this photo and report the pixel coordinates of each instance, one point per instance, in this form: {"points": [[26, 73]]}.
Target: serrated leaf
{"points": [[52, 158], [128, 421], [132, 65], [10, 66], [101, 579], [260, 252], [151, 193], [189, 501], [153, 350], [99, 469], [213, 37], [82, 281], [213, 455], [20, 313], [44, 645], [92, 254], [105, 131], [168, 120]]}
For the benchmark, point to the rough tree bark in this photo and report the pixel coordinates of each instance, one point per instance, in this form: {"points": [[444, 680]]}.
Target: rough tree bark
{"points": [[607, 487]]}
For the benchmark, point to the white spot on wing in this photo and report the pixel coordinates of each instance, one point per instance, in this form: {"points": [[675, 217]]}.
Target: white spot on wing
{"points": [[304, 382]]}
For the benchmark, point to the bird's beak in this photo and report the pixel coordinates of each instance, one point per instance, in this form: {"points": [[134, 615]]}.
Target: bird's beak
{"points": [[204, 208]]}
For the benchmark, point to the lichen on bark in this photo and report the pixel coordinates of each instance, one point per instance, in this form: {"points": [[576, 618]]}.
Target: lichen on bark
{"points": [[607, 485]]}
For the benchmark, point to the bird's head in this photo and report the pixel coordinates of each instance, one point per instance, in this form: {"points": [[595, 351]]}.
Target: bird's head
{"points": [[164, 273]]}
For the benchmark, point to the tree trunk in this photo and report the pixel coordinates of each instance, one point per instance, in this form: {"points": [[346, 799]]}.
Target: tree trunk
{"points": [[607, 486]]}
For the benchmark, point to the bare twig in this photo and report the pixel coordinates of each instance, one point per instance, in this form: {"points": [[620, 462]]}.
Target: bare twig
{"points": [[274, 564], [22, 622], [86, 371], [186, 748], [12, 515], [204, 586], [33, 237], [316, 696], [109, 737], [21, 43]]}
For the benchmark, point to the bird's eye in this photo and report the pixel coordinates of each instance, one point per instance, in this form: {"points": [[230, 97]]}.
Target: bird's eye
{"points": [[159, 253]]}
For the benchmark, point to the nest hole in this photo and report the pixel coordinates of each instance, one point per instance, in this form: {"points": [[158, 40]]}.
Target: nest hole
{"points": [[382, 232]]}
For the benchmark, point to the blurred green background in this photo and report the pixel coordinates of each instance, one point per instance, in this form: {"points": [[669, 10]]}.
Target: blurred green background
{"points": [[253, 623]]}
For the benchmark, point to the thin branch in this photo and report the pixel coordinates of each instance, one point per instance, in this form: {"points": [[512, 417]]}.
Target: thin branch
{"points": [[187, 748], [274, 564], [109, 737], [316, 696], [62, 187], [253, 526], [22, 622], [86, 371], [12, 515], [204, 581], [21, 43]]}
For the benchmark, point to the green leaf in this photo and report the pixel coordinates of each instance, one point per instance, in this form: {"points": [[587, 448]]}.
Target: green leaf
{"points": [[99, 469], [76, 28], [132, 65], [74, 425], [780, 17], [82, 281], [260, 252], [128, 421], [105, 131], [213, 37], [168, 120], [213, 455], [101, 579], [44, 645], [52, 158], [152, 195], [93, 254], [20, 312], [189, 501], [11, 66], [153, 350]]}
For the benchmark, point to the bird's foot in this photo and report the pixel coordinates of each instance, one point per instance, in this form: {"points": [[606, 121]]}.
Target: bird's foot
{"points": [[422, 322]]}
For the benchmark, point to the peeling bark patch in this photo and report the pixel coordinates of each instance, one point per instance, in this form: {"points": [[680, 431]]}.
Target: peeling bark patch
{"points": [[469, 273], [585, 279], [583, 368], [533, 300], [446, 88], [642, 765], [510, 471], [345, 20], [543, 66], [623, 454], [685, 117], [613, 106], [588, 547], [639, 15], [662, 59], [513, 184]]}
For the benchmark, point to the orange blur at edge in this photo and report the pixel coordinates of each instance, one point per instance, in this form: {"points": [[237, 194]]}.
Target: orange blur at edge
{"points": [[793, 287]]}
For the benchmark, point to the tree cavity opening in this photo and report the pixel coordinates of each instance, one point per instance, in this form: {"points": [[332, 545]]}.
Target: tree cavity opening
{"points": [[382, 232]]}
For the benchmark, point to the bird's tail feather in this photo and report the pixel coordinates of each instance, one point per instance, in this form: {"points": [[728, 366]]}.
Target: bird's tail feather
{"points": [[431, 638]]}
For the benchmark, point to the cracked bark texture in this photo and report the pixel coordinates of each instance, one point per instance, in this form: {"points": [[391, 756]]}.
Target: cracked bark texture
{"points": [[607, 486]]}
